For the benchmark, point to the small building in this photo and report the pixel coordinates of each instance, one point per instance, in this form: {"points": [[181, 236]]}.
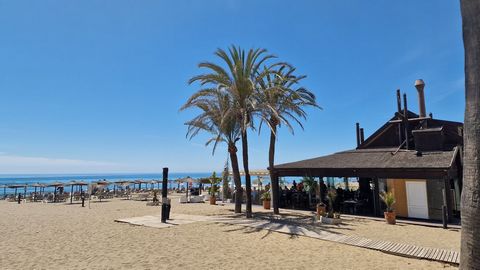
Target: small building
{"points": [[417, 157]]}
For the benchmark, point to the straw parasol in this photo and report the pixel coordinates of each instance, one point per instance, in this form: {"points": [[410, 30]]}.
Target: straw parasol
{"points": [[187, 180], [37, 185], [122, 183], [55, 185], [140, 182], [158, 183], [4, 189], [102, 182], [75, 183], [17, 186]]}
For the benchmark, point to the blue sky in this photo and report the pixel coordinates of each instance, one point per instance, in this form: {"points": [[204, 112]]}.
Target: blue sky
{"points": [[95, 86]]}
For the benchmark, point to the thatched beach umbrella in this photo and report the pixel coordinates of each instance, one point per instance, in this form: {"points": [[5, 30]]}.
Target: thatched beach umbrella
{"points": [[102, 182], [121, 183], [17, 186], [158, 183], [55, 185], [152, 184], [39, 186], [140, 182], [187, 180], [4, 190], [74, 183]]}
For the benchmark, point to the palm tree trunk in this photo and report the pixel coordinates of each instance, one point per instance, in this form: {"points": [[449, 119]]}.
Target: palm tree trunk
{"points": [[248, 183], [271, 163], [470, 235], [232, 150]]}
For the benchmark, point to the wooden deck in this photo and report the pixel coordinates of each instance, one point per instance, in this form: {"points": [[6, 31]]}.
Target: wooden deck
{"points": [[399, 249]]}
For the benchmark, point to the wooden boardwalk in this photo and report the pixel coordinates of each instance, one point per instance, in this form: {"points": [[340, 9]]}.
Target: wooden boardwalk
{"points": [[405, 250]]}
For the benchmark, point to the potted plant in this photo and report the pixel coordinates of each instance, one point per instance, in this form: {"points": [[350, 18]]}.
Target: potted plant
{"points": [[266, 200], [321, 209], [212, 191], [331, 217], [389, 199]]}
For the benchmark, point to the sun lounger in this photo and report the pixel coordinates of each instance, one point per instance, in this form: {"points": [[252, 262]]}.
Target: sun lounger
{"points": [[182, 199], [197, 199]]}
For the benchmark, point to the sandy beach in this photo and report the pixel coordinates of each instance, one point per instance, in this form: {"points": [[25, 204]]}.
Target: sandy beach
{"points": [[62, 236]]}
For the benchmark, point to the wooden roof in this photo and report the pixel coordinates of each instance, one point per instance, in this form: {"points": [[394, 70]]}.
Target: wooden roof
{"points": [[379, 162], [387, 135]]}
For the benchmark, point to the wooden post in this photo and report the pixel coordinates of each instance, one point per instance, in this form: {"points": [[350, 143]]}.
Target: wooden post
{"points": [[275, 195], [71, 194], [399, 109], [376, 197], [447, 199], [320, 188], [405, 119], [165, 206], [357, 128]]}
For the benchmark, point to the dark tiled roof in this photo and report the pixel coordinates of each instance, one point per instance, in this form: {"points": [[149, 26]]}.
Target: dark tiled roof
{"points": [[383, 158]]}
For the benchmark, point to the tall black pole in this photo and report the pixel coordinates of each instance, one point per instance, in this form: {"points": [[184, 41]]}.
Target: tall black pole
{"points": [[164, 195], [405, 119]]}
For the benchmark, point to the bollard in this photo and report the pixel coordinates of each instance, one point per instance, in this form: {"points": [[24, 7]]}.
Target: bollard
{"points": [[165, 201], [82, 196]]}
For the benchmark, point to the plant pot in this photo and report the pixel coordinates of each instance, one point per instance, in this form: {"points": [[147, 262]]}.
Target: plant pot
{"points": [[213, 200], [266, 204], [321, 210], [327, 220], [390, 217]]}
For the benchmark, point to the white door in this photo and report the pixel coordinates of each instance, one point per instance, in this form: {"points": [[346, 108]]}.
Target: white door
{"points": [[417, 199]]}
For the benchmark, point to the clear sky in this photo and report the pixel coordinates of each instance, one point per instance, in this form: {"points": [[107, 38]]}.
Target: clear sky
{"points": [[95, 86]]}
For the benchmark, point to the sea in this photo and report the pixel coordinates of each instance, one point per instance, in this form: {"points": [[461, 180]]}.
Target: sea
{"points": [[9, 179]]}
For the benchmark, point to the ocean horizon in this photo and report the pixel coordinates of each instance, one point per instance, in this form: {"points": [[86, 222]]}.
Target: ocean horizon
{"points": [[10, 179]]}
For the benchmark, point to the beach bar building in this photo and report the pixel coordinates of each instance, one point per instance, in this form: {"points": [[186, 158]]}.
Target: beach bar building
{"points": [[414, 156]]}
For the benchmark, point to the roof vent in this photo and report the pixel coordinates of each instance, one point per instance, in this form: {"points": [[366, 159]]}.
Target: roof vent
{"points": [[429, 139]]}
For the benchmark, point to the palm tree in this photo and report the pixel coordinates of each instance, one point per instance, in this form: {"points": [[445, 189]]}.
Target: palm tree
{"points": [[241, 80], [310, 186], [217, 119], [281, 101], [470, 239]]}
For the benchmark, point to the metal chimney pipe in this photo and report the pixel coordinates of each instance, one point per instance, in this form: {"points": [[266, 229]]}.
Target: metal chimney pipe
{"points": [[420, 85], [405, 120], [357, 129]]}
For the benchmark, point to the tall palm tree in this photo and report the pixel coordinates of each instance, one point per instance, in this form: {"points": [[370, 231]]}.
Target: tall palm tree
{"points": [[470, 239], [216, 118], [281, 101], [240, 79]]}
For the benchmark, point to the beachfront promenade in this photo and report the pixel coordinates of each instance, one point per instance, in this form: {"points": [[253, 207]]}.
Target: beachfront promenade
{"points": [[59, 236]]}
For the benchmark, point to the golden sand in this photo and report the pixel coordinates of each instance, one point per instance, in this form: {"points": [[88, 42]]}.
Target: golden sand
{"points": [[62, 236]]}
